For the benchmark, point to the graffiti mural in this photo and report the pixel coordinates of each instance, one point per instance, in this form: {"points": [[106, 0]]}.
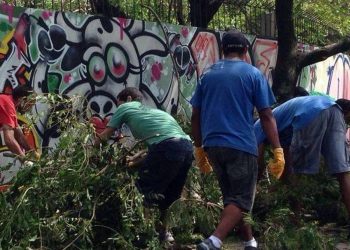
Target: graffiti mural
{"points": [[265, 56], [96, 57]]}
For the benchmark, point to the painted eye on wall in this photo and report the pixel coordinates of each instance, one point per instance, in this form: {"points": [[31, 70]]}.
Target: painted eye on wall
{"points": [[117, 62], [97, 69]]}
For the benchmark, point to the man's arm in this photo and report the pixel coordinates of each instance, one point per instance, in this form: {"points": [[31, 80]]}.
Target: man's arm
{"points": [[261, 160], [20, 138], [104, 136], [200, 156], [10, 140], [268, 124], [196, 127]]}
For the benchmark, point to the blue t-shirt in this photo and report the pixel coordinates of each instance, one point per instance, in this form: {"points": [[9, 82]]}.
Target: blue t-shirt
{"points": [[296, 113], [226, 95]]}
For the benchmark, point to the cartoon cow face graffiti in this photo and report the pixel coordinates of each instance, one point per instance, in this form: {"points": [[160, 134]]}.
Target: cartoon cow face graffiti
{"points": [[96, 60]]}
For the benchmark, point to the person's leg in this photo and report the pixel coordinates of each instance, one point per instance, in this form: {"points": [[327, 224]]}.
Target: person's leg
{"points": [[173, 193], [246, 234], [336, 153], [155, 175], [237, 174], [344, 185], [166, 175], [245, 231], [230, 217]]}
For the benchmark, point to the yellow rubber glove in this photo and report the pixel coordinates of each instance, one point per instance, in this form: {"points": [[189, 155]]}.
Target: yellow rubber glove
{"points": [[276, 165], [37, 155], [33, 155], [202, 161]]}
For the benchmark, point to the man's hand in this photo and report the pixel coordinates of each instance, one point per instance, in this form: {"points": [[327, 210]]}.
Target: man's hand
{"points": [[33, 155], [202, 161], [276, 165], [37, 155], [137, 159]]}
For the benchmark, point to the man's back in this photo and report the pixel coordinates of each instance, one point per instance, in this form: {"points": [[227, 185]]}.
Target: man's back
{"points": [[296, 113], [227, 94], [145, 122]]}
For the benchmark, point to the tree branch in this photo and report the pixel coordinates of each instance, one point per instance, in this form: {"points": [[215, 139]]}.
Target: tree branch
{"points": [[179, 12], [284, 18], [325, 52]]}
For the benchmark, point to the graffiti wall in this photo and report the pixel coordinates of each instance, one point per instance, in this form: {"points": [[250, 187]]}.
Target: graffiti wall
{"points": [[95, 58]]}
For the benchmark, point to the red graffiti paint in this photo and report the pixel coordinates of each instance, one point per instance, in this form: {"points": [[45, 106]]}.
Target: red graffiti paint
{"points": [[119, 69], [9, 10], [266, 51], [46, 15], [98, 74], [99, 124], [19, 36], [184, 32], [67, 78], [205, 50], [122, 22], [156, 71]]}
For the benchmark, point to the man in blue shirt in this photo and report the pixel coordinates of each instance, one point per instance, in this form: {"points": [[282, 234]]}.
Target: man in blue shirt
{"points": [[317, 125], [222, 126]]}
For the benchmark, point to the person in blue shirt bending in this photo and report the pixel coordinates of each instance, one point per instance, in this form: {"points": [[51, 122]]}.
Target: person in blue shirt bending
{"points": [[308, 127], [223, 128]]}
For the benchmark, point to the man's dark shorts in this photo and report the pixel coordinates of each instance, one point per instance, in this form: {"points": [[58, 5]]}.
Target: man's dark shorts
{"points": [[164, 172], [237, 175]]}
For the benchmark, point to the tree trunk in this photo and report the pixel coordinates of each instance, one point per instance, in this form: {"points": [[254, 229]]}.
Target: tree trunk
{"points": [[103, 7], [290, 61], [286, 73], [203, 11]]}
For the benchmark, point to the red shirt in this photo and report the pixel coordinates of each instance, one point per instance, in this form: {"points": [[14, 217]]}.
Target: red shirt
{"points": [[7, 111]]}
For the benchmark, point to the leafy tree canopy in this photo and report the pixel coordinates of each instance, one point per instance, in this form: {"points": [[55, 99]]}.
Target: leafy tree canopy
{"points": [[335, 13]]}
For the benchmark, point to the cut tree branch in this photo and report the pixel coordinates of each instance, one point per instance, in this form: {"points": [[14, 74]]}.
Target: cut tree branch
{"points": [[325, 52]]}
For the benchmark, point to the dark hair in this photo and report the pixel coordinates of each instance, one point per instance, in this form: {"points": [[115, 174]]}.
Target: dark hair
{"points": [[22, 91], [300, 91], [344, 104], [134, 93], [227, 51]]}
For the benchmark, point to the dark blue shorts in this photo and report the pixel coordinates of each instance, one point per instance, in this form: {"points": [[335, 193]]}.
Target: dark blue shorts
{"points": [[237, 173], [164, 172]]}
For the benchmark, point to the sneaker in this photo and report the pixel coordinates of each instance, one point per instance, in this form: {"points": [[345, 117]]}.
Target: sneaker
{"points": [[166, 237], [250, 248], [207, 244]]}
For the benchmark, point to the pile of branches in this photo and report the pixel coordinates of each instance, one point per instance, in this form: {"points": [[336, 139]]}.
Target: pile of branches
{"points": [[78, 196]]}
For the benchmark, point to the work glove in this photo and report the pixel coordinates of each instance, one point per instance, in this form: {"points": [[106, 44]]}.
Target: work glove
{"points": [[276, 165], [202, 161], [37, 155], [33, 155]]}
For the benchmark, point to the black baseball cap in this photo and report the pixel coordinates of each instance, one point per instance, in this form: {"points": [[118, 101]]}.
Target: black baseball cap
{"points": [[234, 39]]}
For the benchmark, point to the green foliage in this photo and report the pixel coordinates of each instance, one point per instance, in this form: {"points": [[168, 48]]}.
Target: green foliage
{"points": [[75, 196], [291, 215], [198, 211]]}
